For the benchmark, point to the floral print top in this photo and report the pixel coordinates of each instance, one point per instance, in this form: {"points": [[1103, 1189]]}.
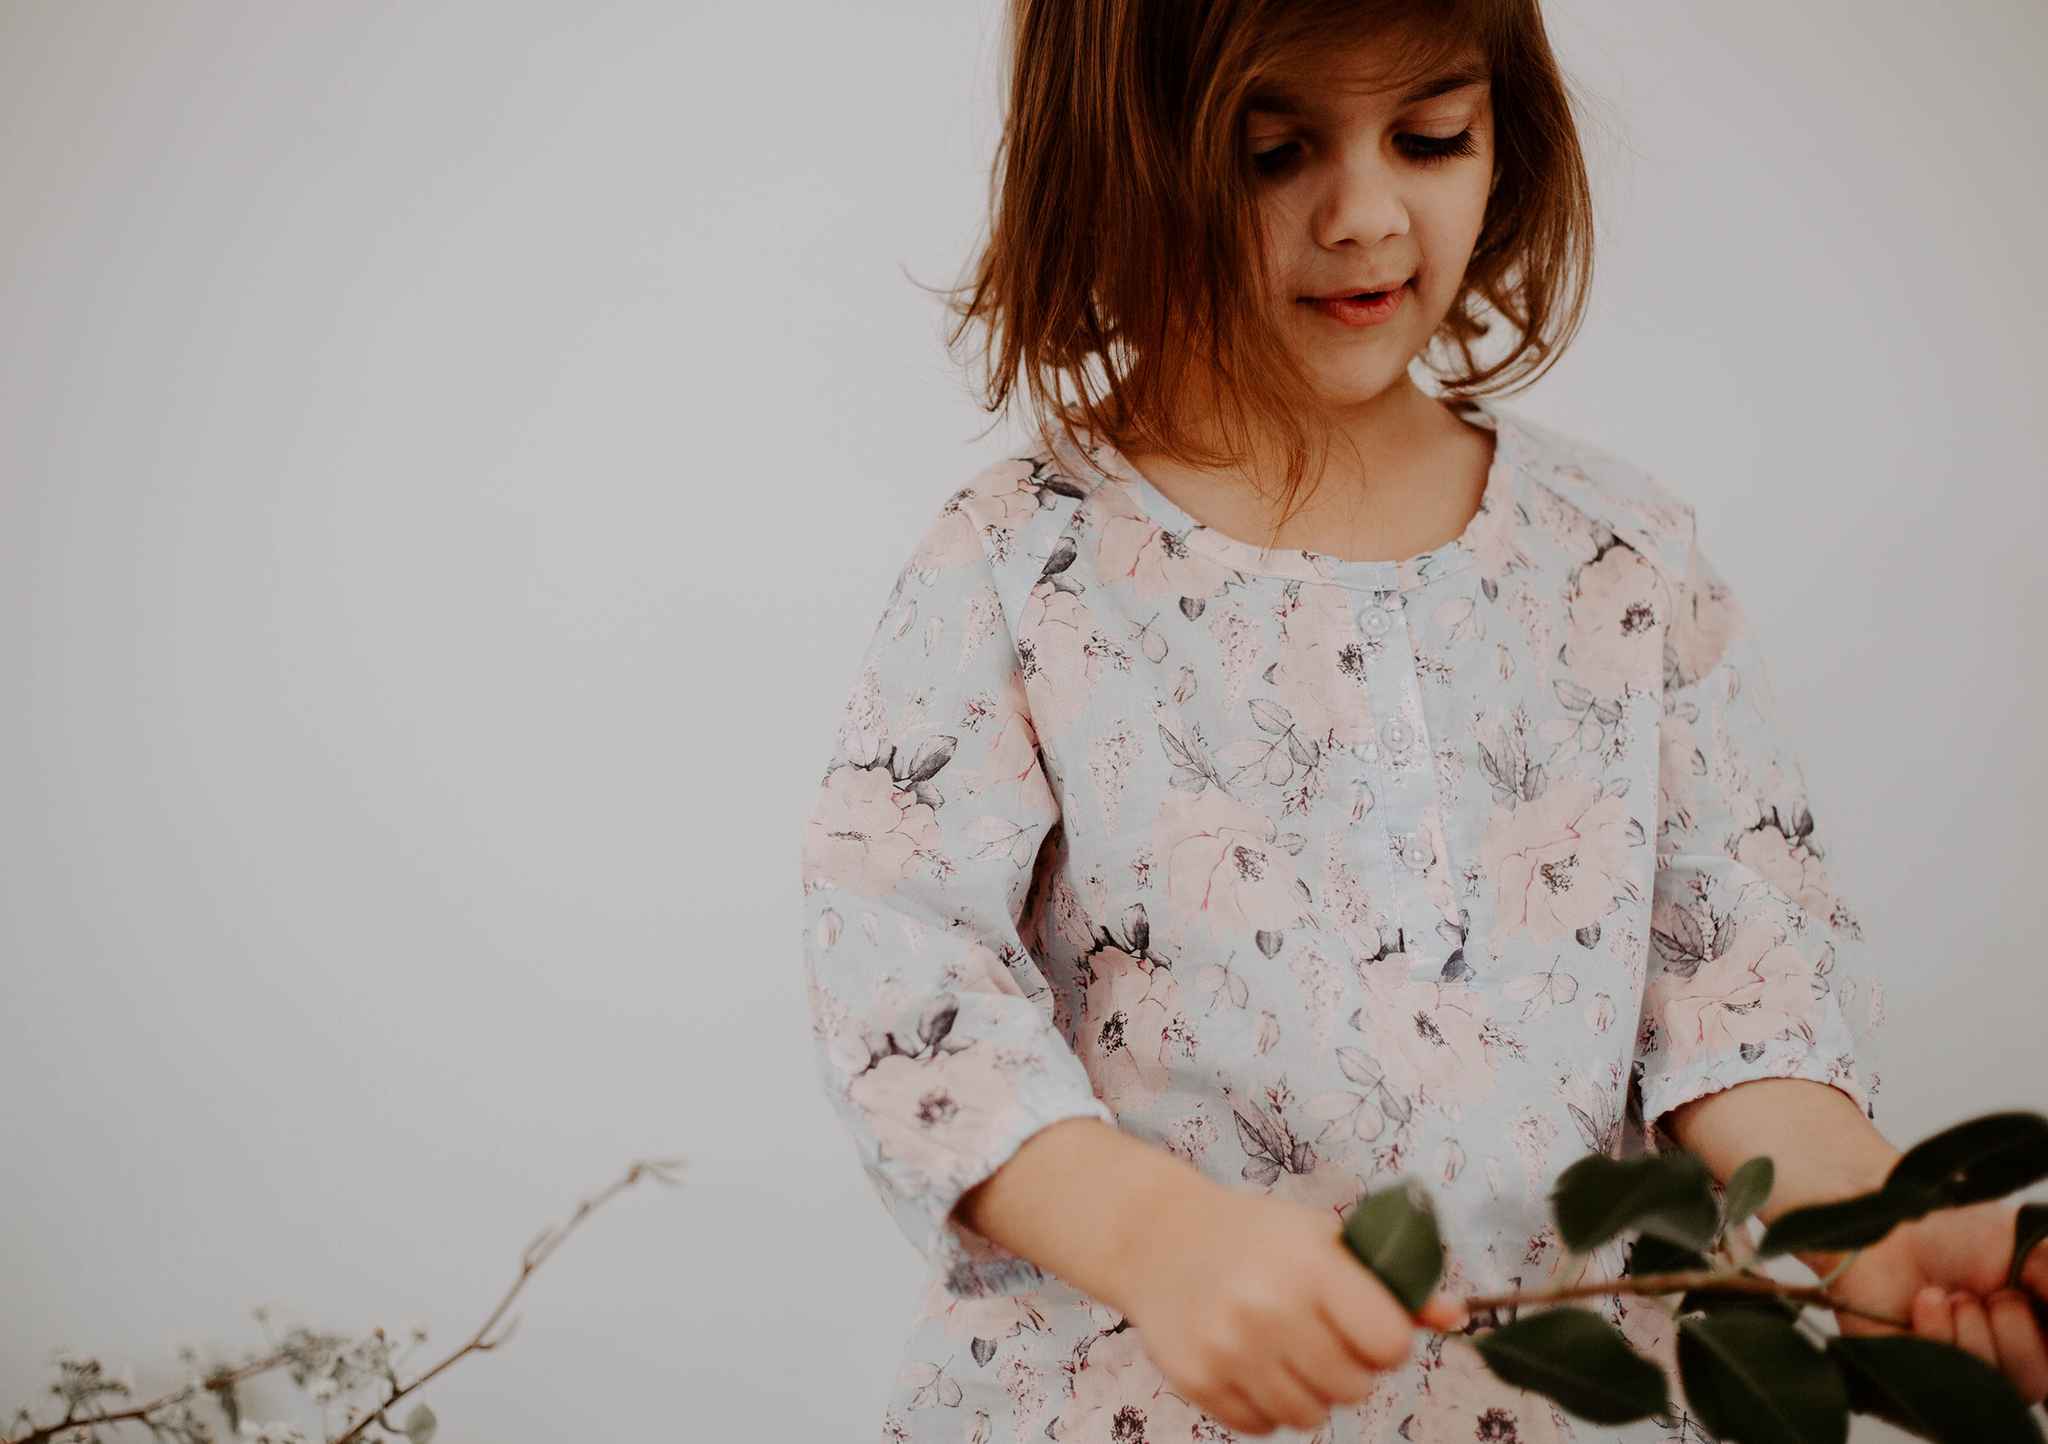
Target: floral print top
{"points": [[1316, 872]]}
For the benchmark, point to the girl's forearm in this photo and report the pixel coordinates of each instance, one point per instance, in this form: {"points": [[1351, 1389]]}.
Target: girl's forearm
{"points": [[1082, 1200], [1088, 1202], [1820, 1145]]}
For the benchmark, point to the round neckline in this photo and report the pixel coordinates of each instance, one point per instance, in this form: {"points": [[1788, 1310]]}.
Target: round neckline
{"points": [[1401, 575]]}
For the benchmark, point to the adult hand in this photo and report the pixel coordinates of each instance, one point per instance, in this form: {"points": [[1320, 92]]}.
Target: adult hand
{"points": [[1946, 1274]]}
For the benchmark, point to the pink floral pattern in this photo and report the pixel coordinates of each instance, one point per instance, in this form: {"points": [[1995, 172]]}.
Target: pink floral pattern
{"points": [[1318, 873], [1224, 865], [1760, 988], [866, 833], [1555, 859]]}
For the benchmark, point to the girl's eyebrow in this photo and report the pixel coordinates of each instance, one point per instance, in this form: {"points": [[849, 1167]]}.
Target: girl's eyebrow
{"points": [[1286, 103], [1444, 84]]}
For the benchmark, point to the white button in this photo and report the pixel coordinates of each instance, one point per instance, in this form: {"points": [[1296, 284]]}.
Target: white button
{"points": [[1376, 621], [1416, 854], [1397, 735]]}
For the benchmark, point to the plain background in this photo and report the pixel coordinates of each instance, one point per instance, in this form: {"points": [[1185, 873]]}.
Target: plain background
{"points": [[452, 456]]}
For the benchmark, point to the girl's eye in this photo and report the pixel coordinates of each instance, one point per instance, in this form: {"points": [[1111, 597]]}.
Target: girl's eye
{"points": [[1432, 148], [1277, 160]]}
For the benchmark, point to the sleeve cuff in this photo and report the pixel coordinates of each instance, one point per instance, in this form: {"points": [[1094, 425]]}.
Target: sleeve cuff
{"points": [[970, 1265], [1781, 1058]]}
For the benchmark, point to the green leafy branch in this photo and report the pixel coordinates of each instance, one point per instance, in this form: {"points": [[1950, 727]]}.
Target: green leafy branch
{"points": [[329, 1367], [1754, 1369]]}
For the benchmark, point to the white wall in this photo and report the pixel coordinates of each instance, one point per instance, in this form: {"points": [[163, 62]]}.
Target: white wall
{"points": [[451, 457]]}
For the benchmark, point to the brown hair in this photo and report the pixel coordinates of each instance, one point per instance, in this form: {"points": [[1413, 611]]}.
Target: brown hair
{"points": [[1120, 274]]}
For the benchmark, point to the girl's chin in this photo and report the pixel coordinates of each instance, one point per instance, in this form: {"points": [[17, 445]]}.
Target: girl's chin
{"points": [[1355, 385]]}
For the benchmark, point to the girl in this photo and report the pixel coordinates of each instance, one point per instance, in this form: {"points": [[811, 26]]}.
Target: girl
{"points": [[1285, 780]]}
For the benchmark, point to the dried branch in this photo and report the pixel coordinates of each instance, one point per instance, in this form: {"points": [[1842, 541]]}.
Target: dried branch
{"points": [[537, 1253], [222, 1381], [211, 1382]]}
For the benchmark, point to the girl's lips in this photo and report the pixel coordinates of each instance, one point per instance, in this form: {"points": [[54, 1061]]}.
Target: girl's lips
{"points": [[1365, 309]]}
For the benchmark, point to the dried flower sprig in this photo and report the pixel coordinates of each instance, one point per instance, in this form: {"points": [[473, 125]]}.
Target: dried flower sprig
{"points": [[328, 1367]]}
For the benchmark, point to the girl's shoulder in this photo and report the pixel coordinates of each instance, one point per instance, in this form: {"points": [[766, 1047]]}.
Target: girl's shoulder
{"points": [[1009, 514], [1607, 492]]}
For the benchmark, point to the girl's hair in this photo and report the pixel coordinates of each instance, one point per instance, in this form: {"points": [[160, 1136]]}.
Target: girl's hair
{"points": [[1122, 272]]}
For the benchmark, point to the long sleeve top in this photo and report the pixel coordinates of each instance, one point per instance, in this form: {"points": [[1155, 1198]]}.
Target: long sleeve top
{"points": [[1317, 873]]}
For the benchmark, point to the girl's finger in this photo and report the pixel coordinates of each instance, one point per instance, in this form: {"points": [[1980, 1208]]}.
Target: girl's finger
{"points": [[1933, 1317], [1368, 1318], [1443, 1311], [1327, 1365], [2022, 1352], [1973, 1330], [1284, 1399], [2034, 1272], [1235, 1411]]}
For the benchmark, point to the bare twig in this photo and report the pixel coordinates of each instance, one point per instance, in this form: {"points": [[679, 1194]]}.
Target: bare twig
{"points": [[537, 1253], [1678, 1283]]}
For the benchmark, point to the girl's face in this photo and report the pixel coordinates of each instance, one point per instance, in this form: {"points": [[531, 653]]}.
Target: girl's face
{"points": [[1370, 197]]}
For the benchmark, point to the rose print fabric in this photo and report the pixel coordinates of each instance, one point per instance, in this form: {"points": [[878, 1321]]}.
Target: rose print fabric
{"points": [[1316, 872]]}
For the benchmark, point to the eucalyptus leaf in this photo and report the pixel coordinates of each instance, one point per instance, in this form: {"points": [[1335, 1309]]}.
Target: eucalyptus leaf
{"points": [[1393, 1232], [2031, 1228], [1667, 1195], [1748, 1188], [420, 1424], [1983, 1158], [1718, 1301], [1652, 1255], [1580, 1360], [1851, 1223], [1755, 1379], [1934, 1390]]}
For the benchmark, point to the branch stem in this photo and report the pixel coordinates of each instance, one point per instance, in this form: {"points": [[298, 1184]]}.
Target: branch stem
{"points": [[1652, 1285], [48, 1432], [535, 1257]]}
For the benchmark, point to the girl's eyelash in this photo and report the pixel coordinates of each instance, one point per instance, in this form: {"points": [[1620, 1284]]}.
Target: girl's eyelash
{"points": [[1427, 149], [1275, 159], [1437, 147]]}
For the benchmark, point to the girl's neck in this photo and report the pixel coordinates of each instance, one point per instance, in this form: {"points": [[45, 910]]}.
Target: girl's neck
{"points": [[1405, 476]]}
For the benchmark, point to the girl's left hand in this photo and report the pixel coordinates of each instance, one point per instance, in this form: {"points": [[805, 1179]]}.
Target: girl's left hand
{"points": [[1946, 1272]]}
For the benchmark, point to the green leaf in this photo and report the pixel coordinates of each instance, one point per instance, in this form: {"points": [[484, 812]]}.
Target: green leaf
{"points": [[1652, 1255], [1934, 1390], [1981, 1159], [1852, 1223], [1748, 1188], [1754, 1379], [1667, 1195], [1581, 1361], [1718, 1301], [1393, 1233], [420, 1424], [2031, 1228]]}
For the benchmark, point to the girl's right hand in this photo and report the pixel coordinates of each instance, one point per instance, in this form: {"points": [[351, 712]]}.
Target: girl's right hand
{"points": [[1257, 1314]]}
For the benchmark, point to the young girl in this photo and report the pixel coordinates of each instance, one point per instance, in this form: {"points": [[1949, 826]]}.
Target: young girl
{"points": [[1284, 780]]}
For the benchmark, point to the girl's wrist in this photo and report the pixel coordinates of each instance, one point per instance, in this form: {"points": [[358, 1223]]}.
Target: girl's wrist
{"points": [[1153, 1223]]}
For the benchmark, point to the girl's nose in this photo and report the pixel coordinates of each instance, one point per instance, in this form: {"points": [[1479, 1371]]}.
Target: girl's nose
{"points": [[1363, 205]]}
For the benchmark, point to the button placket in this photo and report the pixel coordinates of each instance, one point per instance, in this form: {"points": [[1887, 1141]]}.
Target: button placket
{"points": [[1405, 784]]}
